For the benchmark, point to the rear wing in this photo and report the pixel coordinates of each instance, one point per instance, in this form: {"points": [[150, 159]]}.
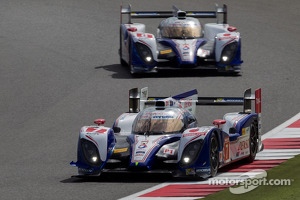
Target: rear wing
{"points": [[126, 10], [138, 100]]}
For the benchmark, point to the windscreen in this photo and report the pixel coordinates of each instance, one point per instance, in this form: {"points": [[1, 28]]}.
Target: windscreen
{"points": [[177, 29], [158, 122]]}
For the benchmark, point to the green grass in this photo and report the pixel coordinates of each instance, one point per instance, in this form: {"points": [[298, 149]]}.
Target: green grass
{"points": [[287, 170]]}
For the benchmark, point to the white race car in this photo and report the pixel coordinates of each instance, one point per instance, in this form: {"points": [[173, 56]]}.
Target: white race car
{"points": [[181, 41], [161, 135]]}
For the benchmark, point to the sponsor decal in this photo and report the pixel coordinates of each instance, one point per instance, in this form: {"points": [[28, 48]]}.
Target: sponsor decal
{"points": [[187, 103], [169, 151], [139, 153], [186, 47], [149, 36], [120, 150], [246, 130], [194, 133], [162, 117], [203, 170], [144, 149], [190, 171], [226, 37], [85, 170], [141, 35], [243, 145], [169, 103], [226, 150], [227, 100], [143, 145], [96, 130], [166, 51]]}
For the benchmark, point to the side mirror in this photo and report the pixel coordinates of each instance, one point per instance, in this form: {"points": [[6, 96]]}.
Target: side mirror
{"points": [[232, 130], [99, 121], [191, 119], [218, 122], [117, 129]]}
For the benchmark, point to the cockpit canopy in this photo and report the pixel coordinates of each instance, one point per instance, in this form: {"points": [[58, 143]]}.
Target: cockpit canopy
{"points": [[155, 121], [174, 28]]}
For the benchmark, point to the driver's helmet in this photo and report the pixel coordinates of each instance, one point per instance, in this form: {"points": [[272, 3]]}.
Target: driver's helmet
{"points": [[175, 28], [156, 121]]}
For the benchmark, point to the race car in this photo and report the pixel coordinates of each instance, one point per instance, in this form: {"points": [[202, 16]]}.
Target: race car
{"points": [[181, 41], [162, 135]]}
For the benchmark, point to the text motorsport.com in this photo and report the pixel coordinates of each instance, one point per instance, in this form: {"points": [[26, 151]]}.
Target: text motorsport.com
{"points": [[249, 181]]}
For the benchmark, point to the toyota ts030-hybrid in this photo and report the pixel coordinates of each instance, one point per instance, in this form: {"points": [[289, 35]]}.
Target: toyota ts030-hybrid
{"points": [[181, 41], [161, 135]]}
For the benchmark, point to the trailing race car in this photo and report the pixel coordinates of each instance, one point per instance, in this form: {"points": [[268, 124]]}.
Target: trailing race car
{"points": [[181, 41], [161, 135]]}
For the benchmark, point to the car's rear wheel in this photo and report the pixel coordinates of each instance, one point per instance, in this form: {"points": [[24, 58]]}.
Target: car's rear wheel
{"points": [[214, 155], [253, 143]]}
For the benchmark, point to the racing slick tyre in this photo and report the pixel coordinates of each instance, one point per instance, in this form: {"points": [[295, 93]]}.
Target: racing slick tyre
{"points": [[122, 62], [253, 143], [214, 155], [131, 68], [133, 72]]}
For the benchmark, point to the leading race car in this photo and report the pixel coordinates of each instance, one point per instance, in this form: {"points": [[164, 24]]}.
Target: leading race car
{"points": [[181, 41], [162, 135]]}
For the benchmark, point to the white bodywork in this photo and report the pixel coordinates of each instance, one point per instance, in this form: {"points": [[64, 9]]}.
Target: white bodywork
{"points": [[137, 31], [217, 35], [97, 135], [124, 122]]}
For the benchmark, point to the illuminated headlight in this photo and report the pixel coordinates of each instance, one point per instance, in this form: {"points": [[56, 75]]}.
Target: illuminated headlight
{"points": [[191, 152], [90, 152], [144, 52], [148, 58], [225, 58], [186, 159], [94, 159], [229, 52]]}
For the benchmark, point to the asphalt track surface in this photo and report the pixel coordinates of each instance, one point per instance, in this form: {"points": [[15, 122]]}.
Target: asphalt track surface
{"points": [[59, 70]]}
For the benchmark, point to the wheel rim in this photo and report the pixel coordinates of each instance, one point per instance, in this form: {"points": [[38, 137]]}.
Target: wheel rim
{"points": [[214, 154], [253, 141]]}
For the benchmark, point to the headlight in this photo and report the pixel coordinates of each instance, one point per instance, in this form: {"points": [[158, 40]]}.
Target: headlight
{"points": [[191, 152], [90, 152], [229, 52], [144, 52]]}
